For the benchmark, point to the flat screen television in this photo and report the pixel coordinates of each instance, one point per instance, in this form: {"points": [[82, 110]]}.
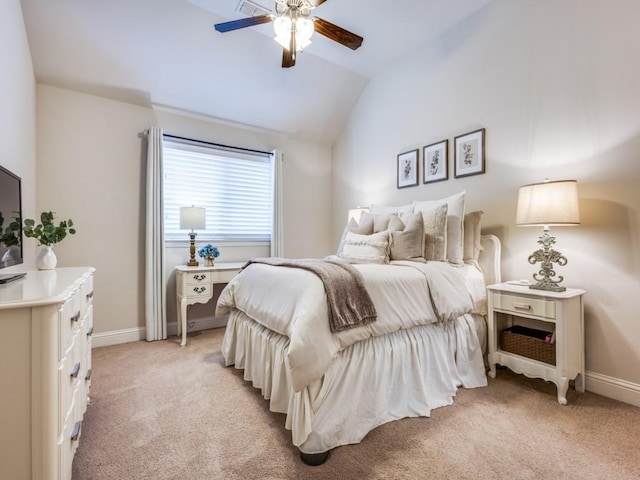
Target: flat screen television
{"points": [[10, 221]]}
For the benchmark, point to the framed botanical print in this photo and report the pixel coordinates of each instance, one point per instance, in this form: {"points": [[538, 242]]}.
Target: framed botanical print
{"points": [[408, 169], [435, 162], [469, 154]]}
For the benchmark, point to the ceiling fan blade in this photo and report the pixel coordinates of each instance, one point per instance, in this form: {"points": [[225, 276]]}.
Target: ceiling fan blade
{"points": [[288, 58], [337, 34], [242, 23], [317, 2]]}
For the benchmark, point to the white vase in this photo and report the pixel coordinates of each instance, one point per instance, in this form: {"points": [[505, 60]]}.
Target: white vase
{"points": [[46, 259]]}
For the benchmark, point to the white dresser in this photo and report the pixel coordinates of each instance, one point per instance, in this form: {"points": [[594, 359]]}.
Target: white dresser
{"points": [[46, 320]]}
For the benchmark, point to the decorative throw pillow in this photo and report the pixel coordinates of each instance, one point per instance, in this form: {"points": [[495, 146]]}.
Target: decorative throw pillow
{"points": [[380, 220], [407, 237], [372, 248], [472, 246], [455, 223], [380, 209], [434, 220], [364, 227]]}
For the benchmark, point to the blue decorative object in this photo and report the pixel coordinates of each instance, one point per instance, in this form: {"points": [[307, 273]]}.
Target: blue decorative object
{"points": [[209, 251]]}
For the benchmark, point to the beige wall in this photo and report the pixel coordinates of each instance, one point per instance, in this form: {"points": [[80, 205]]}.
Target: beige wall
{"points": [[91, 168], [555, 84], [18, 112]]}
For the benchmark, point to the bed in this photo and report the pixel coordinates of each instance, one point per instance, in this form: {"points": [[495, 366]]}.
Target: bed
{"points": [[334, 387]]}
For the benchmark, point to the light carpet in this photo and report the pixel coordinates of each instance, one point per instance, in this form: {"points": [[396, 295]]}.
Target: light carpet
{"points": [[159, 411]]}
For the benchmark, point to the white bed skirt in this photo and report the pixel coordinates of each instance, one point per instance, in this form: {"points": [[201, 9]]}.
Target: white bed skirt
{"points": [[403, 374]]}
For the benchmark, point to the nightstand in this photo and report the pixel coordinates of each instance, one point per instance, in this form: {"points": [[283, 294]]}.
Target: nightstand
{"points": [[195, 285], [562, 312]]}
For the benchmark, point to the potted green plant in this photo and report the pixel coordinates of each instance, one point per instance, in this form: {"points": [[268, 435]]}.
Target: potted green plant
{"points": [[48, 234]]}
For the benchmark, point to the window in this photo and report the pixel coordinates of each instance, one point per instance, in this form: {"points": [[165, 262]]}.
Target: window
{"points": [[234, 185]]}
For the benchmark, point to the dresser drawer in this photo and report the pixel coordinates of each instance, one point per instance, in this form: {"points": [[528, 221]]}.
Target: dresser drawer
{"points": [[70, 373], [524, 306], [88, 345], [70, 315], [69, 439], [86, 294]]}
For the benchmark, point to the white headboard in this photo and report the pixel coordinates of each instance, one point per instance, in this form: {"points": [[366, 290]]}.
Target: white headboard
{"points": [[489, 259]]}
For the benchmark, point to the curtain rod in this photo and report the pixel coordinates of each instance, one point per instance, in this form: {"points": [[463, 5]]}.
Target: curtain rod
{"points": [[229, 147]]}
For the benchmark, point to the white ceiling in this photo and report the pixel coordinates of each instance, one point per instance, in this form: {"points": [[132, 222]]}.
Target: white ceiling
{"points": [[167, 53]]}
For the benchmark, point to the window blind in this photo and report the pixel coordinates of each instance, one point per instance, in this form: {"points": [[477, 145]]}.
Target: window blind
{"points": [[235, 187]]}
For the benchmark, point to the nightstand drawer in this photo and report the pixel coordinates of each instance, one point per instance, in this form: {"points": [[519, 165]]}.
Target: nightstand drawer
{"points": [[524, 306], [199, 291], [197, 278]]}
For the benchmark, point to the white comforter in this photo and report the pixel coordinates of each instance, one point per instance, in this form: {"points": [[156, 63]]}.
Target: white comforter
{"points": [[292, 302]]}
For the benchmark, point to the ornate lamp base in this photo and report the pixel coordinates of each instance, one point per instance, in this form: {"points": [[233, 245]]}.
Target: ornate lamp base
{"points": [[547, 256], [192, 250]]}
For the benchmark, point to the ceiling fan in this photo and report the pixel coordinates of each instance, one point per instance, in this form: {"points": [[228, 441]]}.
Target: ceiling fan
{"points": [[294, 27]]}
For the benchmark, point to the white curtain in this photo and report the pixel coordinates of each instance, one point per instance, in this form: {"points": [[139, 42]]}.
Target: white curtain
{"points": [[155, 288], [277, 244]]}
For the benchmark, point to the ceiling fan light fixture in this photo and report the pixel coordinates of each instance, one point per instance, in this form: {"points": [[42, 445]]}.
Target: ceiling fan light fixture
{"points": [[304, 31], [300, 27], [294, 26], [282, 27]]}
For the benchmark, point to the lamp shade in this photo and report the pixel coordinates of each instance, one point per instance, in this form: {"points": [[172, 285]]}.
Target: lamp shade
{"points": [[355, 213], [548, 203], [192, 218]]}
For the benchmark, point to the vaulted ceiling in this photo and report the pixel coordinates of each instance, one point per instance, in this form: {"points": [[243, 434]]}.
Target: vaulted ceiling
{"points": [[167, 53]]}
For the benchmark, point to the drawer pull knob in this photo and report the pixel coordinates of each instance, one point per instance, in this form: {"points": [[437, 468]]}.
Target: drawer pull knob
{"points": [[199, 289], [522, 306], [199, 277], [90, 332], [75, 370], [76, 316], [75, 433], [89, 296], [88, 377]]}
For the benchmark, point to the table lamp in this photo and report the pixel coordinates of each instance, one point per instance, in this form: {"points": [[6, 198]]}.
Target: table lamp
{"points": [[548, 204], [192, 218], [355, 213]]}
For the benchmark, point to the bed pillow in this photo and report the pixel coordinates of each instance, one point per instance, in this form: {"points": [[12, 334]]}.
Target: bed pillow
{"points": [[364, 227], [455, 224], [380, 221], [372, 248], [380, 209], [472, 246], [407, 237], [434, 220]]}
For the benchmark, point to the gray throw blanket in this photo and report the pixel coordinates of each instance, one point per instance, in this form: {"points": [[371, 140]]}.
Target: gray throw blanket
{"points": [[348, 301]]}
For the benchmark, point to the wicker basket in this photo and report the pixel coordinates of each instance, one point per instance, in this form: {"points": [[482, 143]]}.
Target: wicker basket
{"points": [[529, 343]]}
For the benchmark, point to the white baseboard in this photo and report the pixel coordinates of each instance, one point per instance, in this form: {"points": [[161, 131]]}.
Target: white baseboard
{"points": [[127, 335], [114, 337], [615, 388]]}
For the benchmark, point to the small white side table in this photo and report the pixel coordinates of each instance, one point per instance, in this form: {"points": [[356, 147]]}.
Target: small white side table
{"points": [[195, 285], [560, 311]]}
